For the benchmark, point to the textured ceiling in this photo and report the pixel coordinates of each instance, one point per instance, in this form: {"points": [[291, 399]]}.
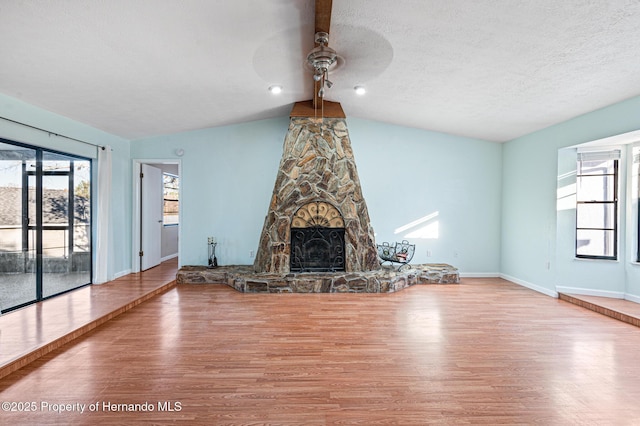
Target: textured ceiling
{"points": [[492, 69]]}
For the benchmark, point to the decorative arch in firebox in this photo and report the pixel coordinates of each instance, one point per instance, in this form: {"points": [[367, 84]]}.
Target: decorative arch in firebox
{"points": [[317, 213], [317, 239]]}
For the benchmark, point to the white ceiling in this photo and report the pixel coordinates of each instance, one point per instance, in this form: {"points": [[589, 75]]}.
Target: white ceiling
{"points": [[491, 69]]}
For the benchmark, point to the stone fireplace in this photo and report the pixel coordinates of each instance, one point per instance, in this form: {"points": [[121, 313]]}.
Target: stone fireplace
{"points": [[317, 237], [317, 219]]}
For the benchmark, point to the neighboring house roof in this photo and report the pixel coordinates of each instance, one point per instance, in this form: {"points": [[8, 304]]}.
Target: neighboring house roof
{"points": [[54, 204]]}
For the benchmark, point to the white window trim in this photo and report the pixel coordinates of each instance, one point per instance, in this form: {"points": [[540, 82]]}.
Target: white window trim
{"points": [[608, 152]]}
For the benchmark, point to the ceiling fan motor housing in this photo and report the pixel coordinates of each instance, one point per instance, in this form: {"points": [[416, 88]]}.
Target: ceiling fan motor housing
{"points": [[322, 57]]}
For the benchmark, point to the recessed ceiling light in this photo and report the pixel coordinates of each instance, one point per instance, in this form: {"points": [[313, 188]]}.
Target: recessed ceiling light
{"points": [[275, 89], [360, 90]]}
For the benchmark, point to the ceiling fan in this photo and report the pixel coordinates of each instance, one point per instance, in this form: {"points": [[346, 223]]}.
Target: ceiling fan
{"points": [[321, 59]]}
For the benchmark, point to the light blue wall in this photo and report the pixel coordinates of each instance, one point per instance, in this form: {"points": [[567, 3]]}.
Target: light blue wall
{"points": [[408, 174], [120, 222], [227, 179], [530, 254], [228, 175]]}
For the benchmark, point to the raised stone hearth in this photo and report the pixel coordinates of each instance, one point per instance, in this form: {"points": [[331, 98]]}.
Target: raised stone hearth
{"points": [[384, 280]]}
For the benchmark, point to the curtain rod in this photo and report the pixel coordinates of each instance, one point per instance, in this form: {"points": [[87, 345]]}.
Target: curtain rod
{"points": [[53, 133]]}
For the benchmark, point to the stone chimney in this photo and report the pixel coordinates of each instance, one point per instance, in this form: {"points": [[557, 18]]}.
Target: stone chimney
{"points": [[317, 187]]}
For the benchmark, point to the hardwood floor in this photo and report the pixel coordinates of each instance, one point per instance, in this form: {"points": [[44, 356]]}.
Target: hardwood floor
{"points": [[28, 333], [482, 352], [620, 309]]}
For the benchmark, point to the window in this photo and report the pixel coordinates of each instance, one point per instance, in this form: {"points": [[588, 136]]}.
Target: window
{"points": [[170, 209], [636, 174], [45, 223], [597, 205]]}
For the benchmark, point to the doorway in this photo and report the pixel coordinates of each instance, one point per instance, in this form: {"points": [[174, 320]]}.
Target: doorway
{"points": [[156, 212]]}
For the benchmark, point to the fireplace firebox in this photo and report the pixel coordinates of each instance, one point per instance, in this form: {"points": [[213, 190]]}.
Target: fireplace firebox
{"points": [[317, 249], [317, 239]]}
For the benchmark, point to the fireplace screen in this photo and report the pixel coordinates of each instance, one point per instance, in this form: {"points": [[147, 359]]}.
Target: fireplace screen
{"points": [[317, 249], [317, 239]]}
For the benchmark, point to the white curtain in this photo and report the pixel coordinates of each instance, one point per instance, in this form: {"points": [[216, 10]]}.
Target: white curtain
{"points": [[103, 223]]}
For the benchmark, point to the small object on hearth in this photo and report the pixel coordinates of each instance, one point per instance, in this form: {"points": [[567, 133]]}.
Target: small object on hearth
{"points": [[397, 253], [213, 260]]}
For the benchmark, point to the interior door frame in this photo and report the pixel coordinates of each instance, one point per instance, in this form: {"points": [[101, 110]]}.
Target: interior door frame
{"points": [[136, 208]]}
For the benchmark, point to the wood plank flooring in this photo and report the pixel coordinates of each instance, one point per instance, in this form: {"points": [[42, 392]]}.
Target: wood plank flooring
{"points": [[28, 333], [484, 351], [620, 309]]}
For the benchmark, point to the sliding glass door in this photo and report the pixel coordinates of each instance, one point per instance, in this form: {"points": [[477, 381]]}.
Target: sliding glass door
{"points": [[66, 225], [17, 215], [45, 224]]}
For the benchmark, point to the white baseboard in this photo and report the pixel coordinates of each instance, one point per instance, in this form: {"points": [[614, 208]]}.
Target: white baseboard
{"points": [[632, 298], [115, 276], [529, 285], [479, 274], [171, 256], [121, 273], [591, 292]]}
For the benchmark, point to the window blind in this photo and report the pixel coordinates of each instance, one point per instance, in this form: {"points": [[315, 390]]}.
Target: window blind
{"points": [[599, 155]]}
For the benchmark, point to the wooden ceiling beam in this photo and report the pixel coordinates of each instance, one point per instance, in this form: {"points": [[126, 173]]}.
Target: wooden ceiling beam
{"points": [[323, 15], [327, 109], [323, 24]]}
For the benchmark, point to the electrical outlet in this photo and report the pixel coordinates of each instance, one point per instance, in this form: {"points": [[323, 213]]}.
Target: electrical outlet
{"points": [[251, 253], [428, 253]]}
